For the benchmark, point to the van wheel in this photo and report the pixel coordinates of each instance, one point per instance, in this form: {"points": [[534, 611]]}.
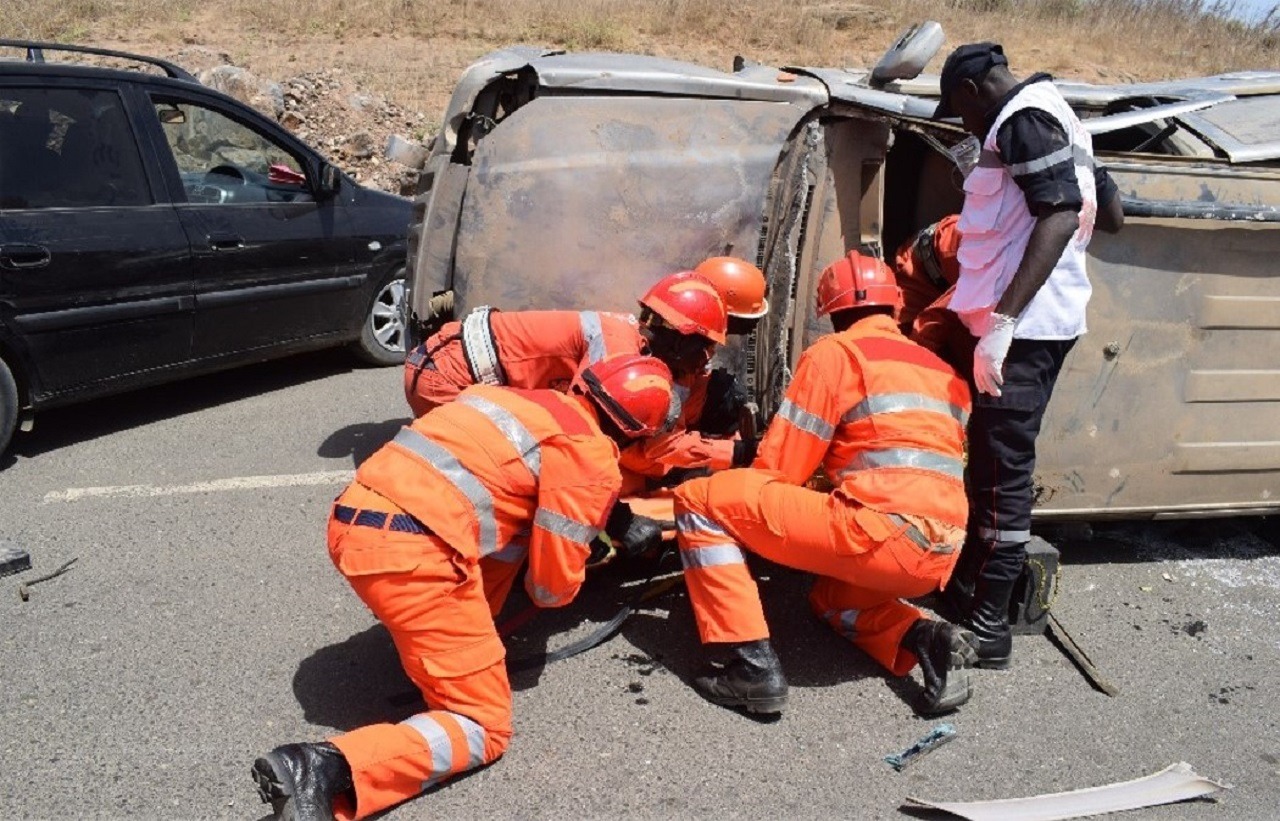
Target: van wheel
{"points": [[8, 406], [382, 334]]}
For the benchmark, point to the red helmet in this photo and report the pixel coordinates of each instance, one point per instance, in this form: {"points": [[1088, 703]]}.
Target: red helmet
{"points": [[633, 390], [740, 283], [857, 281], [689, 303]]}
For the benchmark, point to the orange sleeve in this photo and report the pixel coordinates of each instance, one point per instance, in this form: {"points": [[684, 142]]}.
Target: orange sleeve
{"points": [[678, 449], [578, 485], [799, 434]]}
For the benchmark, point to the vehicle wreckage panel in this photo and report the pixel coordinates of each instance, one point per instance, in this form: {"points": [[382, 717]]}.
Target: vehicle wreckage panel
{"points": [[1168, 404], [585, 201]]}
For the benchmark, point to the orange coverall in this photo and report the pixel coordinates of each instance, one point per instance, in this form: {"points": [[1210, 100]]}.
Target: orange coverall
{"points": [[430, 536], [926, 269], [535, 349], [885, 419], [683, 447]]}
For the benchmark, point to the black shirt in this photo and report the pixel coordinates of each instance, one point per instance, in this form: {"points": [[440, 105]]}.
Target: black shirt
{"points": [[1033, 133]]}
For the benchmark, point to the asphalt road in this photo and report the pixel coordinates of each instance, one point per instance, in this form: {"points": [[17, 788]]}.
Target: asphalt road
{"points": [[203, 624]]}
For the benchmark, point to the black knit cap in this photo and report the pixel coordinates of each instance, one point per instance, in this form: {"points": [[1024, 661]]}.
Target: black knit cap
{"points": [[968, 62]]}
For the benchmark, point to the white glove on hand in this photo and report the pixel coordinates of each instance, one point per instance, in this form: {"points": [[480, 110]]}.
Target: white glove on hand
{"points": [[988, 357]]}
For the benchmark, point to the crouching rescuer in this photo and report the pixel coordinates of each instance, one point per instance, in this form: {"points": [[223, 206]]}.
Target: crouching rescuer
{"points": [[431, 535], [885, 420]]}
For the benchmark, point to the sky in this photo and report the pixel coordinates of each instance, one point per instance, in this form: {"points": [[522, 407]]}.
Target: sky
{"points": [[1251, 10]]}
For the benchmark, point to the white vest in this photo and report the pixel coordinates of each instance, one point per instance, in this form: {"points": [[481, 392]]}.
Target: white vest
{"points": [[995, 225]]}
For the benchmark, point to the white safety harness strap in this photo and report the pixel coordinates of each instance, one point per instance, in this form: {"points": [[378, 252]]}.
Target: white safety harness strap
{"points": [[481, 349]]}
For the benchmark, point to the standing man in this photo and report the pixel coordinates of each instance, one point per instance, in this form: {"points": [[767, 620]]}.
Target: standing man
{"points": [[499, 474], [884, 419], [1029, 211]]}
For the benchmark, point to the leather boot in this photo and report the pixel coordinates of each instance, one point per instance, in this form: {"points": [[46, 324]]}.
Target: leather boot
{"points": [[989, 617], [958, 594], [301, 781], [752, 679], [944, 652]]}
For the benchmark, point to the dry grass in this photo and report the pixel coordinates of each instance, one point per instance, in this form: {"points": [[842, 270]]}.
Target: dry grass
{"points": [[413, 50]]}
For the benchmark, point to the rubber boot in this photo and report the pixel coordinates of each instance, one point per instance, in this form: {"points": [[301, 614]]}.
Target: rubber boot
{"points": [[752, 679], [989, 616], [301, 781], [945, 653]]}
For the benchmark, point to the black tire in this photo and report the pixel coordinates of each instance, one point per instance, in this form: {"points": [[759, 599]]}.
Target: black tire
{"points": [[8, 406], [382, 330]]}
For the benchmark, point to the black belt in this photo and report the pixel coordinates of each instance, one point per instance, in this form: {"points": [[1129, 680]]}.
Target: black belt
{"points": [[380, 520]]}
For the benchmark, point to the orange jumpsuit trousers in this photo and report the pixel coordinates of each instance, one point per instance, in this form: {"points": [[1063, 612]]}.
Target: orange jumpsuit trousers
{"points": [[865, 562], [433, 602]]}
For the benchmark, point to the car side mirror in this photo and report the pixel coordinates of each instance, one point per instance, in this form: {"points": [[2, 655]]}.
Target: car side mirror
{"points": [[330, 181], [909, 54]]}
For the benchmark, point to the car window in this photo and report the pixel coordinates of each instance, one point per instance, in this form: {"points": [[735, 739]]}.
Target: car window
{"points": [[68, 148], [222, 161]]}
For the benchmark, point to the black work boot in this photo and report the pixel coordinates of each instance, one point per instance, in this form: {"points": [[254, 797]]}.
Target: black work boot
{"points": [[301, 781], [752, 679], [989, 616], [958, 594], [944, 652]]}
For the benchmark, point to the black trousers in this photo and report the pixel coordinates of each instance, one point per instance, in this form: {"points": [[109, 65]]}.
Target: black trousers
{"points": [[1002, 451]]}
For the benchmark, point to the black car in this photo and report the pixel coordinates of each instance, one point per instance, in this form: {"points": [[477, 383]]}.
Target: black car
{"points": [[152, 228]]}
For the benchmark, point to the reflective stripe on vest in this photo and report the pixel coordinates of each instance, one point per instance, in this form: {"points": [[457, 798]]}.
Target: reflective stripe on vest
{"points": [[561, 525], [1067, 152], [899, 402], [905, 458], [481, 348], [461, 478], [437, 739], [805, 421], [511, 428], [593, 334], [712, 555]]}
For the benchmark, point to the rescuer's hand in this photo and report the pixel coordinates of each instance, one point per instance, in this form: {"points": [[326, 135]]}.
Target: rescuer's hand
{"points": [[631, 534], [744, 452], [988, 356]]}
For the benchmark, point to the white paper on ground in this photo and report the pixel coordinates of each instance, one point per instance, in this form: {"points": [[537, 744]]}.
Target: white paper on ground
{"points": [[1177, 782]]}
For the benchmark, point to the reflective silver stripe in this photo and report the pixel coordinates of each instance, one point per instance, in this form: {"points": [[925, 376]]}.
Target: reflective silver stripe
{"points": [[805, 421], [899, 402], [1067, 152], [993, 535], [482, 350], [697, 523], [714, 555], [512, 429], [919, 539], [463, 479], [437, 741], [592, 333], [441, 746], [905, 458], [514, 552], [847, 620], [563, 526], [542, 596]]}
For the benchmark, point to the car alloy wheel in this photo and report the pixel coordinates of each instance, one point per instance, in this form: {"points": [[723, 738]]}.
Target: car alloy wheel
{"points": [[382, 336]]}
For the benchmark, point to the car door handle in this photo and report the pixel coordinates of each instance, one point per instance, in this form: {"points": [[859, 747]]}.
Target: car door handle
{"points": [[21, 256], [225, 242]]}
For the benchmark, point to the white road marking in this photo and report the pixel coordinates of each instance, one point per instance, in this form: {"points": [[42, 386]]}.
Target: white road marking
{"points": [[328, 477]]}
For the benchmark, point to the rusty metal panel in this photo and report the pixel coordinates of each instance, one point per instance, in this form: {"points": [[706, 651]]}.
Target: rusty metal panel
{"points": [[584, 201], [432, 238]]}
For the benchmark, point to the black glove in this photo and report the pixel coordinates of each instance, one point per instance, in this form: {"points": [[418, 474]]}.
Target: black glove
{"points": [[631, 534], [744, 452], [726, 398]]}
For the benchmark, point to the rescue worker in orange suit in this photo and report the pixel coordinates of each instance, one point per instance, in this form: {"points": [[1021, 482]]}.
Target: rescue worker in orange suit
{"points": [[712, 401], [520, 349], [499, 475], [885, 420], [926, 268]]}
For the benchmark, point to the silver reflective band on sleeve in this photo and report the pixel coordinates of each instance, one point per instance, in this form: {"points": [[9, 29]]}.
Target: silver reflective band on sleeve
{"points": [[593, 334], [715, 555], [1067, 152], [437, 739], [899, 402], [697, 523], [461, 478], [805, 421], [905, 458], [512, 429], [992, 535], [563, 526], [482, 351]]}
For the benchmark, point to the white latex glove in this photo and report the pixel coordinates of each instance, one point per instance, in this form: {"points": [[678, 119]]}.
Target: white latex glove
{"points": [[988, 357]]}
